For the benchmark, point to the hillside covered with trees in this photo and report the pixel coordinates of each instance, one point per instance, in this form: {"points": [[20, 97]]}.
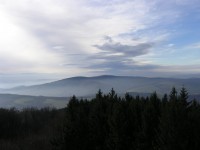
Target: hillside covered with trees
{"points": [[107, 122]]}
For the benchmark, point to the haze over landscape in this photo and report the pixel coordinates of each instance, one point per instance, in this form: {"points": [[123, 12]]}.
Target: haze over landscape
{"points": [[99, 74], [44, 41]]}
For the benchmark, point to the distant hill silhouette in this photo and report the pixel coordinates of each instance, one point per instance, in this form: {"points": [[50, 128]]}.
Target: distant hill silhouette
{"points": [[87, 86], [25, 101]]}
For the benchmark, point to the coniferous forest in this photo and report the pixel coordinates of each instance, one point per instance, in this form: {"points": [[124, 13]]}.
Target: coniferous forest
{"points": [[106, 122]]}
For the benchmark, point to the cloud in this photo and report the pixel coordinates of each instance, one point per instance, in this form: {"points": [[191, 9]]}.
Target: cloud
{"points": [[126, 50], [73, 37], [108, 38], [19, 50], [74, 26], [117, 56], [119, 59]]}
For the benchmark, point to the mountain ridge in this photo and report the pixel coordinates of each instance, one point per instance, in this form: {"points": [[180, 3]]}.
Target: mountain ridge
{"points": [[27, 101], [87, 86]]}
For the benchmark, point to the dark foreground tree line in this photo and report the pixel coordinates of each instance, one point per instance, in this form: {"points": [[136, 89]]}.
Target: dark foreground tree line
{"points": [[28, 129], [107, 122]]}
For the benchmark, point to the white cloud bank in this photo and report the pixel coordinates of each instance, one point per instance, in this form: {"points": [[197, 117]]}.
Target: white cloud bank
{"points": [[58, 36]]}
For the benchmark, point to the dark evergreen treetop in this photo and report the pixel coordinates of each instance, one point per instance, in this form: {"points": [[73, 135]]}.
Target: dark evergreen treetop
{"points": [[134, 123], [106, 122]]}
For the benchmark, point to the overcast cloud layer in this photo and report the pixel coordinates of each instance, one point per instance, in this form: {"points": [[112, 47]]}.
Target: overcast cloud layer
{"points": [[52, 39]]}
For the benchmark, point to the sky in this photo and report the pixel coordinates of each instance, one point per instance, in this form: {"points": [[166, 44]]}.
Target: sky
{"points": [[42, 41]]}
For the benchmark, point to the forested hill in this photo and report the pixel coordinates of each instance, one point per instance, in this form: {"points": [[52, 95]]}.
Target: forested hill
{"points": [[87, 86], [25, 101], [107, 122]]}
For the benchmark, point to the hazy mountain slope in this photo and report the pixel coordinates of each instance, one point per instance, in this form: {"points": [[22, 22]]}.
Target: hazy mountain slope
{"points": [[23, 101], [87, 86]]}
